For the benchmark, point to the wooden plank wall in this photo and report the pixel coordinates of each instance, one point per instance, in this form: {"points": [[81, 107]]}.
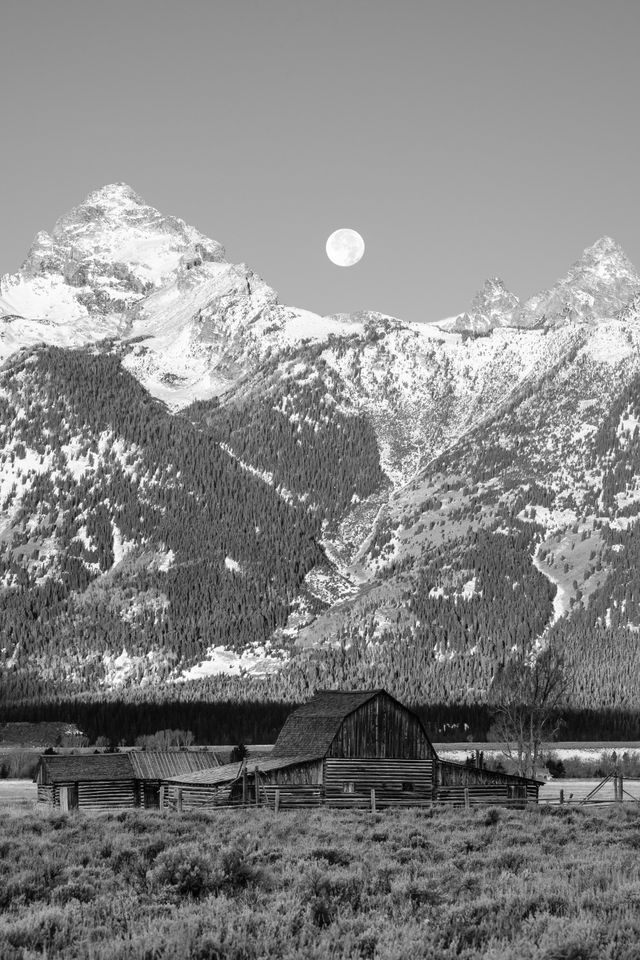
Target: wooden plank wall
{"points": [[94, 795], [293, 797], [386, 777], [45, 793], [481, 786], [382, 728], [97, 795], [195, 796]]}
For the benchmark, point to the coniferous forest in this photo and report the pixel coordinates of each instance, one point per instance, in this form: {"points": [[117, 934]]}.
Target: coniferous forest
{"points": [[164, 535]]}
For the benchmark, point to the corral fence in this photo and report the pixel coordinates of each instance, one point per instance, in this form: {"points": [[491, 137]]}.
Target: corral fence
{"points": [[614, 788], [312, 799]]}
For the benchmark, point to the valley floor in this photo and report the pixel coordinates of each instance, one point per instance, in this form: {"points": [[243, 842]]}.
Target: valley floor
{"points": [[546, 882]]}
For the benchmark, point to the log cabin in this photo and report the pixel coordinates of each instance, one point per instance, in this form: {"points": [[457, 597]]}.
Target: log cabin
{"points": [[108, 780], [348, 749]]}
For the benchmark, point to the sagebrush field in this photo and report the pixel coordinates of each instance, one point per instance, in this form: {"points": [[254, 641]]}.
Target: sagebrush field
{"points": [[553, 883]]}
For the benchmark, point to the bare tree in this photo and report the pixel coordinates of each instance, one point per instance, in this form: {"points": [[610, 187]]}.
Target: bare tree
{"points": [[527, 696]]}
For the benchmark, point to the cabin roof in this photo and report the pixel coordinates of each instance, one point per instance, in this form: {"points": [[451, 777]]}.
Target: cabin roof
{"points": [[231, 771], [158, 765], [135, 765], [103, 766], [309, 731]]}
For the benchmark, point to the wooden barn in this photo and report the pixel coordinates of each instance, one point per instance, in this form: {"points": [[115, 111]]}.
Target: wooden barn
{"points": [[348, 749], [107, 780]]}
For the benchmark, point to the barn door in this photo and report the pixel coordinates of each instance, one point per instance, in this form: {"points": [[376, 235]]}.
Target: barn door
{"points": [[69, 798], [151, 794]]}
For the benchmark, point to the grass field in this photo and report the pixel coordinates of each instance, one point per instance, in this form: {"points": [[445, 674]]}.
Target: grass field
{"points": [[547, 883], [17, 793]]}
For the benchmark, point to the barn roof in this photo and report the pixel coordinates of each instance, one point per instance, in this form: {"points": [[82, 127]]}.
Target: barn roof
{"points": [[102, 766], [159, 765], [231, 771], [309, 730]]}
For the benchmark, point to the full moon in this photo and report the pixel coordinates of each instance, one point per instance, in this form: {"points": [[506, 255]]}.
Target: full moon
{"points": [[345, 247]]}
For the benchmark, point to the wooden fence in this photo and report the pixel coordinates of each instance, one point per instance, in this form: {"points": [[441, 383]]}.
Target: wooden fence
{"points": [[614, 788], [312, 797]]}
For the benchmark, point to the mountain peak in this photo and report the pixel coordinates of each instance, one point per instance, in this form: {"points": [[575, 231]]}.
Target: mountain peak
{"points": [[100, 259], [493, 306], [607, 260], [120, 193], [600, 284]]}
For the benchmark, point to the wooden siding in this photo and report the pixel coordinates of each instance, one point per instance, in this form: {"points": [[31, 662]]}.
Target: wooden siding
{"points": [[92, 795], [95, 795], [457, 783], [45, 793], [194, 796], [381, 728], [389, 779]]}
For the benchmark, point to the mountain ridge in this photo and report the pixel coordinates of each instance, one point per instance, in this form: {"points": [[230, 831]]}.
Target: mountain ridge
{"points": [[406, 465]]}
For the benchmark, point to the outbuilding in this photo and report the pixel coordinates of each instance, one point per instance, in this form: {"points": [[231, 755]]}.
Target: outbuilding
{"points": [[107, 780]]}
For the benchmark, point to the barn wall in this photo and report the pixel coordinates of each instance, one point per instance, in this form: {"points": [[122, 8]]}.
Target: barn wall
{"points": [[388, 777], [195, 796], [381, 727], [482, 786]]}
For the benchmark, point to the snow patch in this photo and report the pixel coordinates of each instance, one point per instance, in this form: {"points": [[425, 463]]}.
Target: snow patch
{"points": [[256, 663]]}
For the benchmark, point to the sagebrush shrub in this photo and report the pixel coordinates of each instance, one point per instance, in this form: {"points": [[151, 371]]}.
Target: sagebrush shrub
{"points": [[187, 871]]}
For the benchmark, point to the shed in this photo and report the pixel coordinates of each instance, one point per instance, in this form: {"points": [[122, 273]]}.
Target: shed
{"points": [[107, 780], [150, 768], [349, 749]]}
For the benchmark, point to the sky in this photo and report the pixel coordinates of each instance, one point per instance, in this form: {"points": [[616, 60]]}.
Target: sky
{"points": [[462, 138]]}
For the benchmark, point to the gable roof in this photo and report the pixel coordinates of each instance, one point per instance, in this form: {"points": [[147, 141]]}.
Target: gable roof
{"points": [[158, 765], [101, 766], [309, 731], [135, 765], [232, 771]]}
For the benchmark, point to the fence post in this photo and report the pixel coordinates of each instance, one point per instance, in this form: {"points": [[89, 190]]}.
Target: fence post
{"points": [[466, 798], [179, 799], [620, 788], [373, 800], [162, 797], [244, 782], [276, 803], [257, 787], [562, 796]]}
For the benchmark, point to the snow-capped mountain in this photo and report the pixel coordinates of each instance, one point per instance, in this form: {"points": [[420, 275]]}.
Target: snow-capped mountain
{"points": [[600, 284], [493, 306], [333, 499], [115, 268]]}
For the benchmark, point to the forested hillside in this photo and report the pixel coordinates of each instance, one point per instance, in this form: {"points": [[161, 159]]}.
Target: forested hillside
{"points": [[206, 495]]}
